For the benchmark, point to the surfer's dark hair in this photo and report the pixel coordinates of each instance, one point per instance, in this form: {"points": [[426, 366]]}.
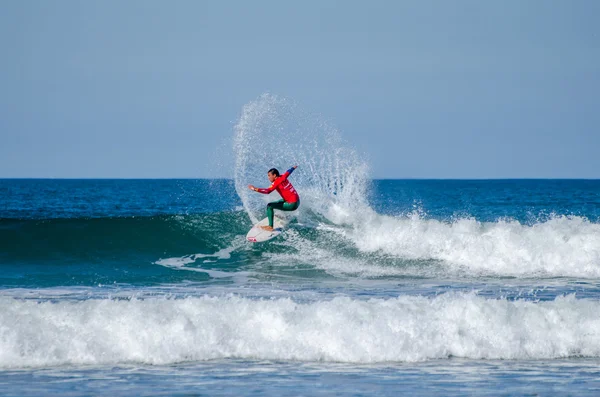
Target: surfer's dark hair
{"points": [[273, 171]]}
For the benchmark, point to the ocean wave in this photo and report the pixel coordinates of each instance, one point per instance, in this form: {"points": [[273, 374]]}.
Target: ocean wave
{"points": [[364, 245], [334, 183], [85, 239], [561, 246], [403, 329]]}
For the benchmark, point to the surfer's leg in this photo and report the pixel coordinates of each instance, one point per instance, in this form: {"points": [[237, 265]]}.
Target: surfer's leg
{"points": [[280, 205], [290, 206], [271, 207]]}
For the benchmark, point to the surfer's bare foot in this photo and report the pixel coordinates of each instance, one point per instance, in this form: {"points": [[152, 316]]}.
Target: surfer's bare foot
{"points": [[267, 228]]}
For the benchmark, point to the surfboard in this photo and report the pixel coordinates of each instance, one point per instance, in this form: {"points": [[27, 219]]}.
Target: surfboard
{"points": [[258, 234]]}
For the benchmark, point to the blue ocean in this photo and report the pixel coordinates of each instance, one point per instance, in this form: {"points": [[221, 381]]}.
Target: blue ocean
{"points": [[377, 287]]}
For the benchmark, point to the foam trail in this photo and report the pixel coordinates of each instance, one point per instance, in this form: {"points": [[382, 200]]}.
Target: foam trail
{"points": [[181, 263], [407, 328]]}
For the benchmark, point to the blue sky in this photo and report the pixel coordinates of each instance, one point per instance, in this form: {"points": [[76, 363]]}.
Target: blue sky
{"points": [[426, 89]]}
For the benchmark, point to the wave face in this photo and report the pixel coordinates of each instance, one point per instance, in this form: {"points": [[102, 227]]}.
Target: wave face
{"points": [[81, 238], [378, 246], [163, 331]]}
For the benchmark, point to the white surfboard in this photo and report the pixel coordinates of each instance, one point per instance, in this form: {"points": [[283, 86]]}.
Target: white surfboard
{"points": [[258, 234]]}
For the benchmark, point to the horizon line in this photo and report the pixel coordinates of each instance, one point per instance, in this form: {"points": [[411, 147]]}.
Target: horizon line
{"points": [[225, 178]]}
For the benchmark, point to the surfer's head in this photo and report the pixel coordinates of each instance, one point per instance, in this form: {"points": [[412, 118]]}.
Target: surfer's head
{"points": [[273, 174]]}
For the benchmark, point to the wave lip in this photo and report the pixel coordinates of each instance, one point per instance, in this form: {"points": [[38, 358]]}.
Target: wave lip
{"points": [[403, 329]]}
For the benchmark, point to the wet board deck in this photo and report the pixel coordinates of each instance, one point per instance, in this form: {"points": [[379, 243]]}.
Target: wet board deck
{"points": [[258, 235]]}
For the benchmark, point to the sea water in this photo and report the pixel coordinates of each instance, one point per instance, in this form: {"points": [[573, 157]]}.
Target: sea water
{"points": [[378, 287]]}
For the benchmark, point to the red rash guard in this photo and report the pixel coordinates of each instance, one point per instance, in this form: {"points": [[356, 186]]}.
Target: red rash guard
{"points": [[283, 187]]}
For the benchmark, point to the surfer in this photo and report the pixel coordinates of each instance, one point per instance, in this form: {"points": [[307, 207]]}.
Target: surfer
{"points": [[290, 200]]}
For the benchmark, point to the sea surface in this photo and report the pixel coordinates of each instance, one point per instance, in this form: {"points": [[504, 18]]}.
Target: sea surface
{"points": [[148, 287], [377, 288]]}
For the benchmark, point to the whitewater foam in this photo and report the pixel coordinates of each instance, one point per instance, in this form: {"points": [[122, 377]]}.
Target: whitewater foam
{"points": [[561, 246], [407, 328]]}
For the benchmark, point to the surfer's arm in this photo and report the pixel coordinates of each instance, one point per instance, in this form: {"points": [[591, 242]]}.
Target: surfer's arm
{"points": [[257, 189], [270, 188], [264, 191], [288, 172], [276, 183]]}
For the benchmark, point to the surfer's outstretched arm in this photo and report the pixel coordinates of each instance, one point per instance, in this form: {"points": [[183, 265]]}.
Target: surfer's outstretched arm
{"points": [[267, 190], [276, 183]]}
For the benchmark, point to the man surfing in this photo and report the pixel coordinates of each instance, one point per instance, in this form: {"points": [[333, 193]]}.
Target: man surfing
{"points": [[290, 200]]}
